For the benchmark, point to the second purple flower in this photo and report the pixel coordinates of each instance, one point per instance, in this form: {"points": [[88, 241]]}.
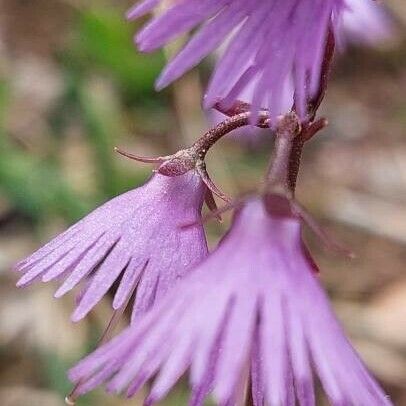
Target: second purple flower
{"points": [[252, 321], [135, 241]]}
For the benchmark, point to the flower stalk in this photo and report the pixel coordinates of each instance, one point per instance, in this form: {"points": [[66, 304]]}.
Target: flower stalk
{"points": [[194, 156]]}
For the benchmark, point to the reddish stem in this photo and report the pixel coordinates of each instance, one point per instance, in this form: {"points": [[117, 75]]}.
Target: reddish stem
{"points": [[314, 104], [205, 142], [286, 132], [309, 127], [307, 132]]}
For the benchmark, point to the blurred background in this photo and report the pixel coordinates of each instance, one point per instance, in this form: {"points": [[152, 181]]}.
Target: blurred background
{"points": [[72, 86]]}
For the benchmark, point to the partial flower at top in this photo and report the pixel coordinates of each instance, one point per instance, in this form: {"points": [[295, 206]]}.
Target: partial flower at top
{"points": [[251, 321], [134, 241], [363, 22], [273, 41]]}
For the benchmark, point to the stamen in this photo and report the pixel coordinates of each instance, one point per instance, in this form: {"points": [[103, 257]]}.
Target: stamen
{"points": [[201, 169], [329, 242], [69, 401], [73, 395], [235, 204], [106, 336], [211, 204]]}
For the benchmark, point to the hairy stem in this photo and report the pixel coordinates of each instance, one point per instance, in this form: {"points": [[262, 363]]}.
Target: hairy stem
{"points": [[204, 143], [294, 161], [288, 147], [287, 150], [329, 49]]}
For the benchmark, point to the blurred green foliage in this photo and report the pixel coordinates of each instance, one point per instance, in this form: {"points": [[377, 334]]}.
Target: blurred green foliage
{"points": [[99, 51], [101, 47], [34, 185], [102, 40]]}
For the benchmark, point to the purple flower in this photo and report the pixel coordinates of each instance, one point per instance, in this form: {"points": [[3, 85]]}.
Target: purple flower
{"points": [[254, 306], [271, 42], [364, 22], [135, 240]]}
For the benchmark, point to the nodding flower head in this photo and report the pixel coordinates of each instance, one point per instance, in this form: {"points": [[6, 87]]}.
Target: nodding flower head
{"points": [[270, 43], [135, 241], [252, 318]]}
